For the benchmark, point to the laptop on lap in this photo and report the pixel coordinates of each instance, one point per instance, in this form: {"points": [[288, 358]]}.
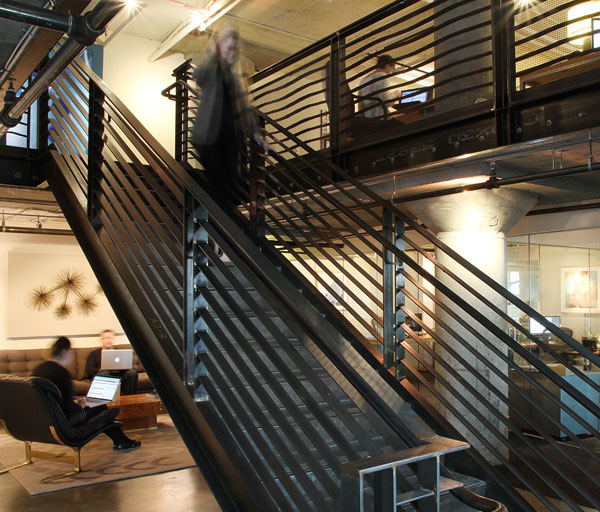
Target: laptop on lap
{"points": [[117, 359], [102, 390]]}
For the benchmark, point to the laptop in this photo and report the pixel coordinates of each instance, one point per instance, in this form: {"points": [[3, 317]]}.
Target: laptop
{"points": [[117, 359], [102, 390]]}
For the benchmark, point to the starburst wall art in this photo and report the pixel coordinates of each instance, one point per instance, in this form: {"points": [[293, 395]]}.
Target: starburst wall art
{"points": [[66, 296]]}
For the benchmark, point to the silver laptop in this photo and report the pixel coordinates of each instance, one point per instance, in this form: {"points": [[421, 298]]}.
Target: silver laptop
{"points": [[102, 390], [121, 359]]}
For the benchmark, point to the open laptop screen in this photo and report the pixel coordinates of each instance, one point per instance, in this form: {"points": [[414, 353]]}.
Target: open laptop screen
{"points": [[104, 388]]}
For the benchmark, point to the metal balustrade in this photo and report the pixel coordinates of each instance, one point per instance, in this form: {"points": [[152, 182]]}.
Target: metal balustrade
{"points": [[262, 387], [499, 384]]}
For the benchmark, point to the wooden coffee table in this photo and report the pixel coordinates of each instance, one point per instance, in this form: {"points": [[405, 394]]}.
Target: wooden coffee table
{"points": [[137, 411]]}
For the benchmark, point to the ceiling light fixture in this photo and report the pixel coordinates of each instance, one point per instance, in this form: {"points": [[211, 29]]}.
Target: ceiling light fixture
{"points": [[581, 27]]}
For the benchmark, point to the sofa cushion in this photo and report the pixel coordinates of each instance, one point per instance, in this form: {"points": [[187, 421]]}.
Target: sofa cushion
{"points": [[21, 362]]}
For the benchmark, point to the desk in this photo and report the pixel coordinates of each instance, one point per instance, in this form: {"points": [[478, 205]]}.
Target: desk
{"points": [[137, 411]]}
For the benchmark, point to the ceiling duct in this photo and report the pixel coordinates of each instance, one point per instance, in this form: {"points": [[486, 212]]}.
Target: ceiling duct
{"points": [[96, 20]]}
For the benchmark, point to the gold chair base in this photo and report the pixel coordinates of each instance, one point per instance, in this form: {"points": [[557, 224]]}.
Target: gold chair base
{"points": [[74, 459]]}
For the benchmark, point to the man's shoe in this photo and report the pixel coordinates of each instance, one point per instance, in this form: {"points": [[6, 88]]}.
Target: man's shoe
{"points": [[126, 446]]}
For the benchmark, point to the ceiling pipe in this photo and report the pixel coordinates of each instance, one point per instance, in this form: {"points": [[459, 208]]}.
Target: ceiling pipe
{"points": [[18, 53], [74, 25], [35, 231], [494, 182], [96, 20]]}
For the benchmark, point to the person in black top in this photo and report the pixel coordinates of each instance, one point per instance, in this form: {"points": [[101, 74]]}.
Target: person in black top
{"points": [[129, 378], [224, 117], [76, 412]]}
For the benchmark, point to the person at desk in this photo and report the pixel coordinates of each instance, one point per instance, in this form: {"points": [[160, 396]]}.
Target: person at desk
{"points": [[77, 413], [129, 378], [375, 91]]}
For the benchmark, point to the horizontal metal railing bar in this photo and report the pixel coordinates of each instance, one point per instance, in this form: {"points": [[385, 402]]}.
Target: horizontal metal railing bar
{"points": [[251, 448], [121, 111], [165, 196], [338, 205], [76, 68], [275, 411], [136, 262], [173, 346], [147, 151], [78, 138], [377, 42], [333, 261], [507, 295], [502, 397], [533, 17], [291, 76], [305, 119], [431, 388], [154, 282], [254, 477], [502, 336], [150, 207], [81, 106], [422, 34], [334, 186], [490, 346], [290, 95], [502, 314], [461, 260], [81, 175], [126, 260], [171, 275], [289, 437], [61, 161], [330, 229], [505, 461], [345, 369], [539, 67], [323, 43], [331, 290], [305, 368], [71, 146]]}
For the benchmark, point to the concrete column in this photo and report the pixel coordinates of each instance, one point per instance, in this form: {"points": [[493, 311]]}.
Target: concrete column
{"points": [[474, 225]]}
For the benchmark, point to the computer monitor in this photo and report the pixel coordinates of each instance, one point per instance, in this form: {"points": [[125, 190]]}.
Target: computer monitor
{"points": [[537, 328], [415, 95]]}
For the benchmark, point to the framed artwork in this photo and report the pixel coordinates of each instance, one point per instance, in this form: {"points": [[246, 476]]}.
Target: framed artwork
{"points": [[579, 291], [324, 278]]}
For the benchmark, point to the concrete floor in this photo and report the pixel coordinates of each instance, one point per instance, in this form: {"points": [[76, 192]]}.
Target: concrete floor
{"points": [[181, 491]]}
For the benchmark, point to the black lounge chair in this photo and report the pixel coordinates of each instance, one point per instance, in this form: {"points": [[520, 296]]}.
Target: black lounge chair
{"points": [[30, 412]]}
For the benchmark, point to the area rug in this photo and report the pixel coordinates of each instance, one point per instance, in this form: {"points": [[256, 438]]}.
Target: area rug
{"points": [[162, 450]]}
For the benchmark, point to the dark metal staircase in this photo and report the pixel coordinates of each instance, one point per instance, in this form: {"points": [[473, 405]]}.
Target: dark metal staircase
{"points": [[268, 395]]}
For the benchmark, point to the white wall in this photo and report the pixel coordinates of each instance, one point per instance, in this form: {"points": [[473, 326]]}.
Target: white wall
{"points": [[81, 333], [138, 83]]}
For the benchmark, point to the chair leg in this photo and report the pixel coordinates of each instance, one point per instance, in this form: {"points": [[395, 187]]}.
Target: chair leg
{"points": [[27, 459], [77, 460]]}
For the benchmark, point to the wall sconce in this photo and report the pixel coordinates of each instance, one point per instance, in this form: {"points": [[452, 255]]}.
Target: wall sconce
{"points": [[581, 27]]}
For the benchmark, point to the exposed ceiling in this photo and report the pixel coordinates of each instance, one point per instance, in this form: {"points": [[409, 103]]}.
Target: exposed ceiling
{"points": [[271, 29]]}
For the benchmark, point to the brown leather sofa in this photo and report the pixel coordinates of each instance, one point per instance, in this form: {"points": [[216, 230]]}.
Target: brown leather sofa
{"points": [[21, 362]]}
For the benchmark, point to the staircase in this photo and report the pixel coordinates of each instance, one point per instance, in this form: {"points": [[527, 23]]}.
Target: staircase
{"points": [[268, 395]]}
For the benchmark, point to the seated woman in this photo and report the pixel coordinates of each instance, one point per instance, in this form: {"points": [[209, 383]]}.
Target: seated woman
{"points": [[77, 413]]}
